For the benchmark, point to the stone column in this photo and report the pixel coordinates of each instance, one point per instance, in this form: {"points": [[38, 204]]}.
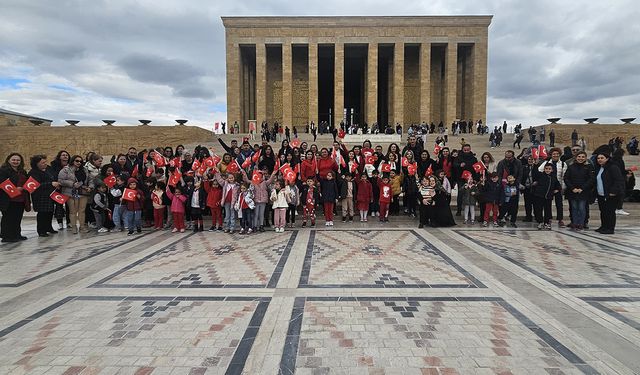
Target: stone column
{"points": [[338, 81], [313, 82], [398, 84], [261, 83], [479, 94], [287, 103], [372, 84], [425, 82], [233, 83], [451, 82]]}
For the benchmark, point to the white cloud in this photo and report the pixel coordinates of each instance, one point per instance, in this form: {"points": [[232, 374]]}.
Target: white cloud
{"points": [[164, 59]]}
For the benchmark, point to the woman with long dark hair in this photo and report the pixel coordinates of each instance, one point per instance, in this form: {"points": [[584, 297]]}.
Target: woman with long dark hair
{"points": [[609, 189], [13, 208], [61, 211], [72, 179], [40, 198]]}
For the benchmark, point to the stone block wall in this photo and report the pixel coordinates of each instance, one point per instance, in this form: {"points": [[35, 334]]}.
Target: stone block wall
{"points": [[595, 134], [105, 140]]}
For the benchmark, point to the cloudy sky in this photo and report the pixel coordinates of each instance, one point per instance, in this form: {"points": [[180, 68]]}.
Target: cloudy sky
{"points": [[164, 59]]}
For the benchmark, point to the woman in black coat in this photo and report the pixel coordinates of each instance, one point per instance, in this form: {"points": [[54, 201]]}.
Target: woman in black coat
{"points": [[579, 180], [609, 190], [13, 208], [40, 198]]}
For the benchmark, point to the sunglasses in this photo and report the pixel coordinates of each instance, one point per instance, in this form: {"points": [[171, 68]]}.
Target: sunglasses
{"points": [[77, 161]]}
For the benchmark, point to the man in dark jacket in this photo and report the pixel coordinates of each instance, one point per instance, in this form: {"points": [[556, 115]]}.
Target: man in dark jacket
{"points": [[609, 189], [509, 166], [464, 162], [579, 180]]}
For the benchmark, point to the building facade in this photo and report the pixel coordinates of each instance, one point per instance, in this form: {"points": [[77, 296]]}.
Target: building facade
{"points": [[385, 70]]}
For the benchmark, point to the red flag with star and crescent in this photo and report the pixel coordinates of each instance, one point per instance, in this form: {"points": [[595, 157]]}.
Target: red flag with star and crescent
{"points": [[110, 181], [429, 171], [195, 165], [386, 168], [58, 197], [478, 167], [233, 167], [135, 171], [129, 194], [9, 188], [256, 178], [31, 185], [256, 156], [158, 159]]}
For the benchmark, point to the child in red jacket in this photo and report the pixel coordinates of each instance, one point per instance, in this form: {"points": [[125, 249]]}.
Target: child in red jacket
{"points": [[214, 196], [364, 196], [386, 194], [178, 201]]}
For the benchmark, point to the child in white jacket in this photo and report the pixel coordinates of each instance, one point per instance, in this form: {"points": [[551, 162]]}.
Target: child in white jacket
{"points": [[279, 202]]}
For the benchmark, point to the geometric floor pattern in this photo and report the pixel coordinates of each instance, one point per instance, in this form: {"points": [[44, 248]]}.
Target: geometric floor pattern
{"points": [[379, 259], [357, 298], [145, 335], [561, 259], [30, 260], [205, 261], [422, 336]]}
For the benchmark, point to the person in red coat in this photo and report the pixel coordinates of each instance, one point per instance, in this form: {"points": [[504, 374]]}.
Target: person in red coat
{"points": [[308, 167], [385, 197], [364, 196], [214, 197], [326, 164]]}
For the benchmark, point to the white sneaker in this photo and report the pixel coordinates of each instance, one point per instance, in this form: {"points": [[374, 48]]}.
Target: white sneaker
{"points": [[103, 230], [331, 223], [277, 230], [60, 226], [327, 223], [621, 212]]}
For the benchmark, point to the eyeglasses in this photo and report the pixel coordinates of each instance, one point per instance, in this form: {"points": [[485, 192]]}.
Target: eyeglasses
{"points": [[77, 161]]}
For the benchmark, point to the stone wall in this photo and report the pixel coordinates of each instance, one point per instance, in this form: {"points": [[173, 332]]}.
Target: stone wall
{"points": [[594, 134], [105, 140]]}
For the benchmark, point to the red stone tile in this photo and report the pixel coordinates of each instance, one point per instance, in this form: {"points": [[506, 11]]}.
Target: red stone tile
{"points": [[144, 371], [74, 370], [216, 327], [429, 371], [501, 352], [433, 361], [337, 335], [346, 343], [365, 361]]}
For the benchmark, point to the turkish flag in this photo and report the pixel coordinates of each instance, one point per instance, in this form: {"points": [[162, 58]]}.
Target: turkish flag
{"points": [[256, 156], [341, 134], [59, 197], [290, 175], [216, 160], [542, 152], [634, 168], [367, 152], [478, 167], [158, 159], [134, 173], [534, 153], [233, 167], [156, 199], [466, 175], [429, 171], [256, 178], [202, 170], [277, 165], [436, 149], [110, 181], [149, 171], [246, 163], [386, 167], [369, 160], [31, 185], [195, 165], [295, 143], [405, 161], [174, 179], [129, 194], [285, 167], [175, 162], [354, 167], [10, 188], [411, 169]]}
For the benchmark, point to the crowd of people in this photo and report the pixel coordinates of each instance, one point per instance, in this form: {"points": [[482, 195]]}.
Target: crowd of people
{"points": [[251, 188]]}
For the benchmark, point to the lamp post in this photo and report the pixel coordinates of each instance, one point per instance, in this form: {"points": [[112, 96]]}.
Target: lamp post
{"points": [[181, 122], [108, 122], [144, 122], [72, 122]]}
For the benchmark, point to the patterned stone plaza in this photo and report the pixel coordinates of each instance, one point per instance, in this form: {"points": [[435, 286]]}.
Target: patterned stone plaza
{"points": [[360, 298]]}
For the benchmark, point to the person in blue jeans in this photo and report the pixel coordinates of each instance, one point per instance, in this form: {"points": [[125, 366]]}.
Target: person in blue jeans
{"points": [[579, 180], [230, 191], [118, 206], [133, 207]]}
